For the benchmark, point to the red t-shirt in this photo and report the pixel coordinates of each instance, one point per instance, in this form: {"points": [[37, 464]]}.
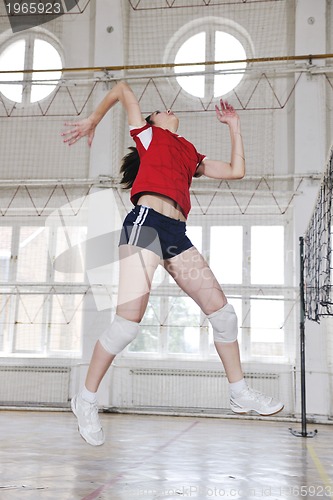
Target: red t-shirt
{"points": [[168, 163]]}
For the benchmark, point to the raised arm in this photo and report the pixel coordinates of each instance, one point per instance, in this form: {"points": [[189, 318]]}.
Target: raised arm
{"points": [[122, 93], [219, 169]]}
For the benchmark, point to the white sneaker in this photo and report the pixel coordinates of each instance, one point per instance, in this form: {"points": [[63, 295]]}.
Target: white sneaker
{"points": [[250, 400], [89, 424]]}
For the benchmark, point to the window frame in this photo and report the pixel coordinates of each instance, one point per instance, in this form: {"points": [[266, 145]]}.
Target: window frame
{"points": [[169, 289], [50, 281], [209, 25], [30, 36]]}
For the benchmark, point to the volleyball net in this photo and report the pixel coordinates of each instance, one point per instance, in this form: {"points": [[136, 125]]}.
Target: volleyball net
{"points": [[316, 299], [318, 251]]}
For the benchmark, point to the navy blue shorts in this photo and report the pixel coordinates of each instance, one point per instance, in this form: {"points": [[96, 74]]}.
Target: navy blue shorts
{"points": [[145, 228]]}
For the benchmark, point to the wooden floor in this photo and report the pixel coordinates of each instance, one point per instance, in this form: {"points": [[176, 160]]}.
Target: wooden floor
{"points": [[156, 457]]}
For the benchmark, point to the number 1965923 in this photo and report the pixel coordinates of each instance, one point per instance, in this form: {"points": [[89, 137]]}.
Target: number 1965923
{"points": [[33, 8]]}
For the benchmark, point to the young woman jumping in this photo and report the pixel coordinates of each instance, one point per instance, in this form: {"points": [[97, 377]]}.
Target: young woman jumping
{"points": [[159, 172]]}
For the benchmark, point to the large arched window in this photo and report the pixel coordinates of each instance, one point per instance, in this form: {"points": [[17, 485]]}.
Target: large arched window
{"points": [[209, 42], [33, 50]]}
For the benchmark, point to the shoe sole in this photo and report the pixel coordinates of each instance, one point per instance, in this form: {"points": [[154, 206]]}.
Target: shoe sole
{"points": [[245, 412], [80, 432]]}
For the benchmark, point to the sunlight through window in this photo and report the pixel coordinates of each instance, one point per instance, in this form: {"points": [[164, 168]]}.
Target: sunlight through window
{"points": [[29, 53], [215, 80]]}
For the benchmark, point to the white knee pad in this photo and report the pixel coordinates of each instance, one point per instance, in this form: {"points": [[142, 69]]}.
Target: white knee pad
{"points": [[119, 334], [224, 323]]}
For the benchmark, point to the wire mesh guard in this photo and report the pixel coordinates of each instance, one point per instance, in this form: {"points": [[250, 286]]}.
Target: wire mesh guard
{"points": [[318, 252]]}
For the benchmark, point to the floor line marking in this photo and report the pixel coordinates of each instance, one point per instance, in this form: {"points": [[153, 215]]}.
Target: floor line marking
{"points": [[321, 469]]}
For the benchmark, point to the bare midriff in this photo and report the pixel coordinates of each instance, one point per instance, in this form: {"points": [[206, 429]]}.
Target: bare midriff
{"points": [[162, 204]]}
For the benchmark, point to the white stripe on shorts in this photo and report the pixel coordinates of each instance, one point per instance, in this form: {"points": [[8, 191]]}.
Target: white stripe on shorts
{"points": [[136, 229]]}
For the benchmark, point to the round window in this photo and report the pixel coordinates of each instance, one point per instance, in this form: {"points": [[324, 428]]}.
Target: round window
{"points": [[212, 79], [29, 52]]}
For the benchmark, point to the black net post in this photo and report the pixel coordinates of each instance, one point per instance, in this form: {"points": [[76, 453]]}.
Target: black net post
{"points": [[303, 432]]}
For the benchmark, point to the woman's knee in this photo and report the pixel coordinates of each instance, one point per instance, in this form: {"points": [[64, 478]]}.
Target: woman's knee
{"points": [[119, 334], [225, 324]]}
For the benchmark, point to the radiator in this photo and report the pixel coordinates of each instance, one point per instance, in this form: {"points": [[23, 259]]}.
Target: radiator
{"points": [[177, 388], [34, 384]]}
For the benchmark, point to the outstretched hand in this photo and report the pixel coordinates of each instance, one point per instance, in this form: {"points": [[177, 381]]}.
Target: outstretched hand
{"points": [[226, 113], [78, 130]]}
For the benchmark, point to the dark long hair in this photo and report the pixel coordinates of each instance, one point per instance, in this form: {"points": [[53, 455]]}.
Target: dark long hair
{"points": [[130, 164]]}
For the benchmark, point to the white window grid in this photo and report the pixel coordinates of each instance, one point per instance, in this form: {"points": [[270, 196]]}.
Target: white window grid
{"points": [[52, 291], [30, 78], [162, 296]]}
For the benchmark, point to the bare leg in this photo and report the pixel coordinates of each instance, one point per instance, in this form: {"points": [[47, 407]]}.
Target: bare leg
{"points": [[229, 355], [192, 273], [136, 271], [99, 365]]}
